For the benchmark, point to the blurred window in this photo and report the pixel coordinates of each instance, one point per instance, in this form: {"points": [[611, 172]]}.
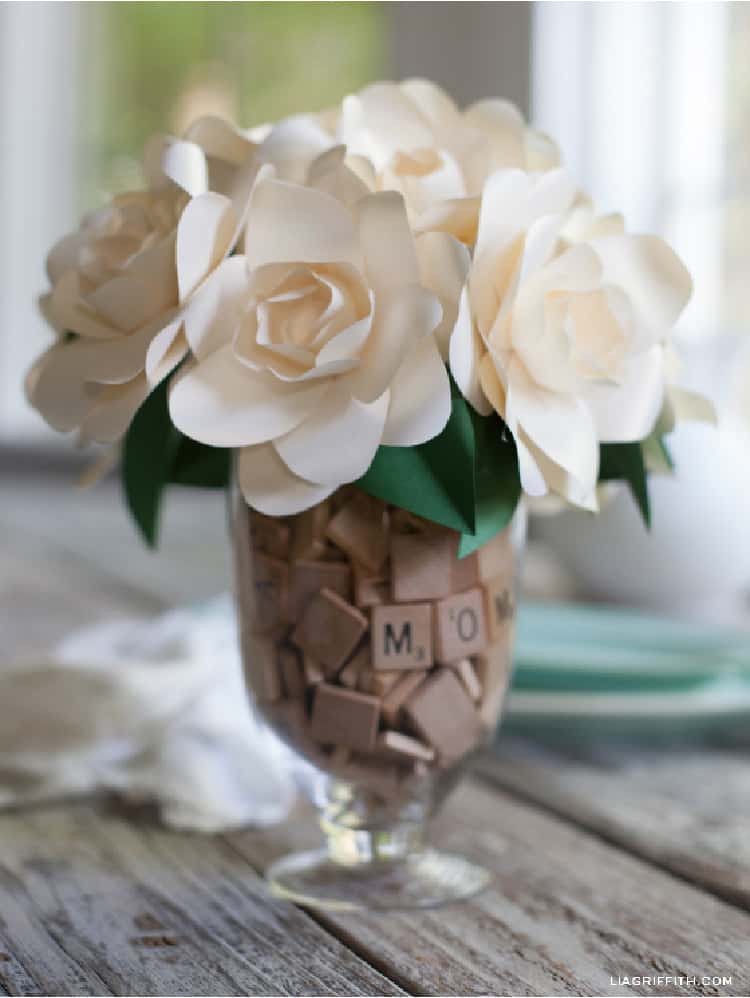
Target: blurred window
{"points": [[651, 104]]}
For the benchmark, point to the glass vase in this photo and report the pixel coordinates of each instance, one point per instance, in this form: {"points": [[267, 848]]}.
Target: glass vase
{"points": [[383, 659]]}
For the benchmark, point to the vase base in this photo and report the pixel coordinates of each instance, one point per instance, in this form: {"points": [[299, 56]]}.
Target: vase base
{"points": [[424, 879]]}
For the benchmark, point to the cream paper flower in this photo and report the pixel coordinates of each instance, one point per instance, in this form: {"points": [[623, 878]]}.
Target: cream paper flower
{"points": [[561, 327], [314, 347], [418, 142], [119, 283]]}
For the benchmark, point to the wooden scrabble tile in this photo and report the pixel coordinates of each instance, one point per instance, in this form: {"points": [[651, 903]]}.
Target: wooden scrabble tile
{"points": [[312, 669], [344, 717], [460, 627], [421, 566], [309, 577], [493, 669], [360, 529], [290, 667], [360, 660], [270, 535], [271, 587], [500, 606], [397, 744], [401, 636], [496, 558], [378, 682], [329, 630], [465, 672], [397, 696], [404, 522], [308, 532], [261, 669], [443, 714], [369, 589], [464, 572]]}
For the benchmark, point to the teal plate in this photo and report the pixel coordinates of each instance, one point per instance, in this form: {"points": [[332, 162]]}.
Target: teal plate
{"points": [[599, 669]]}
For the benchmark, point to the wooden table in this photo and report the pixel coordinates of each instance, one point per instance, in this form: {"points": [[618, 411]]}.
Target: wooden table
{"points": [[613, 864]]}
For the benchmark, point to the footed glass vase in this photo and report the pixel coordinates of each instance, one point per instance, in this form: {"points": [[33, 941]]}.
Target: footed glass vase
{"points": [[383, 659]]}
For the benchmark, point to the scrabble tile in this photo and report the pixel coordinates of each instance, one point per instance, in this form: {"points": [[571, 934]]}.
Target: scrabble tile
{"points": [[443, 714], [344, 717], [370, 590], [466, 673], [401, 636], [270, 535], [309, 577], [329, 630], [421, 566], [360, 529], [308, 532], [464, 572], [378, 682], [312, 670], [495, 558], [460, 628], [399, 745], [500, 606], [360, 660], [271, 588], [260, 666], [404, 522], [290, 668], [397, 696], [493, 668]]}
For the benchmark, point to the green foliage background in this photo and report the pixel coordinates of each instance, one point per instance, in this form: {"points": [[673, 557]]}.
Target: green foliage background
{"points": [[269, 59]]}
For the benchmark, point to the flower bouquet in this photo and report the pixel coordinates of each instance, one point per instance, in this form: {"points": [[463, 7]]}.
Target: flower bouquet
{"points": [[381, 326]]}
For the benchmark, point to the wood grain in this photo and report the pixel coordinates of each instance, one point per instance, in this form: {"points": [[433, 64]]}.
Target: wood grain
{"points": [[95, 903], [566, 912], [686, 809]]}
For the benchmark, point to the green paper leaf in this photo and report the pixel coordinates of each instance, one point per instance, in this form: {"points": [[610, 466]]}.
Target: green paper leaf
{"points": [[497, 481], [625, 462], [434, 480], [199, 465], [149, 450]]}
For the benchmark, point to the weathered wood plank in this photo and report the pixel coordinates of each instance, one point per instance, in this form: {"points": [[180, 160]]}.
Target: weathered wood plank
{"points": [[685, 809], [138, 909], [566, 912]]}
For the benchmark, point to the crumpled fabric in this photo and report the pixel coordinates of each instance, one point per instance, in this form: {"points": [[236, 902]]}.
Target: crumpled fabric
{"points": [[152, 710]]}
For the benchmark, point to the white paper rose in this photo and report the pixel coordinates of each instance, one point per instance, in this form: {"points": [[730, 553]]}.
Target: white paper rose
{"points": [[560, 329], [316, 346], [419, 143], [120, 281]]}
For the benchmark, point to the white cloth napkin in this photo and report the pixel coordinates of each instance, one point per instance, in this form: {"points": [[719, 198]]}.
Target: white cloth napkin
{"points": [[154, 710]]}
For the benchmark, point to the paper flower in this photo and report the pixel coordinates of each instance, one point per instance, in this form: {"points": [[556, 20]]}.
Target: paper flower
{"points": [[119, 283], [419, 143], [560, 328], [314, 347]]}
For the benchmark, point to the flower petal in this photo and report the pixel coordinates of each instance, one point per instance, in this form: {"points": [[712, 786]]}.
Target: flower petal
{"points": [[270, 487], [443, 265], [165, 352], [223, 403], [293, 144], [205, 234], [627, 411], [653, 277], [185, 164], [291, 224], [465, 354], [337, 442], [420, 397], [112, 412], [398, 323], [213, 313], [560, 426], [390, 259]]}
